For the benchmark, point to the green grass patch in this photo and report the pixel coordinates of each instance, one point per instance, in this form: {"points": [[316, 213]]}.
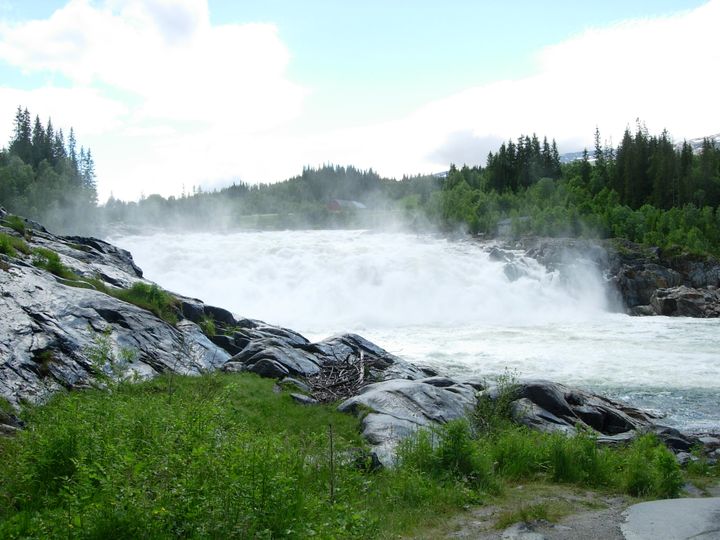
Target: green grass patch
{"points": [[10, 245], [48, 260], [16, 223], [533, 512], [152, 298], [207, 325], [226, 457]]}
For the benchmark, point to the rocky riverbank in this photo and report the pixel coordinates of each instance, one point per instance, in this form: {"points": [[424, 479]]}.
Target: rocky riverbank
{"points": [[645, 281], [63, 326]]}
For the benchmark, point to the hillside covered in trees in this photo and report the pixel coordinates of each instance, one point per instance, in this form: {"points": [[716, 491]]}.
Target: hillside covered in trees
{"points": [[301, 201], [648, 190], [45, 177]]}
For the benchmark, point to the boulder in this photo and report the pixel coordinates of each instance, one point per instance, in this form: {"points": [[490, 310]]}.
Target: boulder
{"points": [[394, 409], [686, 302], [553, 407], [302, 359]]}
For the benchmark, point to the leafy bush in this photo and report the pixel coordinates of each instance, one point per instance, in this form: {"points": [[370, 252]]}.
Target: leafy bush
{"points": [[651, 470], [493, 411]]}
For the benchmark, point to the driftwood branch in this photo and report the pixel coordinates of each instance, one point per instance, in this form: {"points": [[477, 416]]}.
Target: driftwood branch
{"points": [[340, 379]]}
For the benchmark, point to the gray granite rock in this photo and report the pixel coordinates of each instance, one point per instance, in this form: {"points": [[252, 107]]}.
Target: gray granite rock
{"points": [[394, 409]]}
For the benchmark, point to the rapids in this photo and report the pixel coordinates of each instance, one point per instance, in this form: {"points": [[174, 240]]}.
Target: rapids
{"points": [[450, 306]]}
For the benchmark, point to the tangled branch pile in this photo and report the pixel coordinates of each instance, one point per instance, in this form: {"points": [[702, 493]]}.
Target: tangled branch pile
{"points": [[339, 380]]}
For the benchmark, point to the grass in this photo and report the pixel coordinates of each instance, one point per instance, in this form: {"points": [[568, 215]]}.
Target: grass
{"points": [[529, 513], [16, 223], [48, 260], [10, 245], [147, 296], [224, 456], [151, 298], [208, 326]]}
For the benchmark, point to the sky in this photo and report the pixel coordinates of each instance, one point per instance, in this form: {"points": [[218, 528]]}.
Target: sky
{"points": [[175, 94]]}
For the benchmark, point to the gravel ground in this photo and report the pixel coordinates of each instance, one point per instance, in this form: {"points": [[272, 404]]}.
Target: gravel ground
{"points": [[579, 515]]}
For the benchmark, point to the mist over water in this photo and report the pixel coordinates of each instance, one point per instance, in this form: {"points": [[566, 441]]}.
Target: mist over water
{"points": [[447, 305]]}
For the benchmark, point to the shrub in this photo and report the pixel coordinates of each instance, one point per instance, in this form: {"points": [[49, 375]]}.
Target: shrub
{"points": [[651, 470], [517, 452], [449, 451], [493, 411]]}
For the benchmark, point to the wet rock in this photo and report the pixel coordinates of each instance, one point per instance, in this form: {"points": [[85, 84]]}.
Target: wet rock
{"points": [[683, 458], [686, 302], [290, 382], [642, 311], [673, 438], [499, 255], [649, 281]]}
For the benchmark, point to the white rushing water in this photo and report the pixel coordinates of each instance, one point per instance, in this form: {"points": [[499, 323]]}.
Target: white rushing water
{"points": [[448, 305]]}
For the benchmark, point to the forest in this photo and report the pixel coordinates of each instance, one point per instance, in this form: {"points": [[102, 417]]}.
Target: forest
{"points": [[45, 177], [299, 202], [648, 189]]}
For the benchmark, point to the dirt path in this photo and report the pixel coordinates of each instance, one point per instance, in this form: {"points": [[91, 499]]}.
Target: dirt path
{"points": [[542, 512]]}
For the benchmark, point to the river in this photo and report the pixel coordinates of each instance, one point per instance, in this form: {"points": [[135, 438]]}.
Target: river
{"points": [[449, 305]]}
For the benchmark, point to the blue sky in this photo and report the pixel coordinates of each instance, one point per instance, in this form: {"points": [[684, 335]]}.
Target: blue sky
{"points": [[256, 89]]}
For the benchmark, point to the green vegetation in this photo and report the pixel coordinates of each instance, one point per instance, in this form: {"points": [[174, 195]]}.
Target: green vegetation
{"points": [[301, 201], [533, 512], [16, 223], [50, 261], [227, 457], [46, 178], [207, 325], [10, 245], [152, 298], [645, 190]]}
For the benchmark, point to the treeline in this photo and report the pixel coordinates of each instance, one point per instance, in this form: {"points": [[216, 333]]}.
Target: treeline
{"points": [[647, 189], [45, 177], [301, 201]]}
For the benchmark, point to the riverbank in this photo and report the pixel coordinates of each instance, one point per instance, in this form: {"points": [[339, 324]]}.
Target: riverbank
{"points": [[235, 455]]}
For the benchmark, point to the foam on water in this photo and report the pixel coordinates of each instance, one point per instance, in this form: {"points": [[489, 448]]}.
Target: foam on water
{"points": [[447, 304]]}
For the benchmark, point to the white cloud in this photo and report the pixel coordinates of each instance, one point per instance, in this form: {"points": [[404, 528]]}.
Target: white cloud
{"points": [[664, 71], [146, 67], [165, 98]]}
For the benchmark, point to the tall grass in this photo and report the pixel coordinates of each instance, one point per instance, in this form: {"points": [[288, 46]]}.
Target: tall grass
{"points": [[152, 298], [225, 458], [10, 245]]}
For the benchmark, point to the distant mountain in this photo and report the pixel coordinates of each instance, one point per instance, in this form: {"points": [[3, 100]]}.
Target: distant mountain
{"points": [[697, 143]]}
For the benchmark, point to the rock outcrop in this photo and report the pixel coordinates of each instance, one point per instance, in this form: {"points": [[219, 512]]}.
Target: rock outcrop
{"points": [[397, 408], [648, 281], [552, 407], [58, 333]]}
